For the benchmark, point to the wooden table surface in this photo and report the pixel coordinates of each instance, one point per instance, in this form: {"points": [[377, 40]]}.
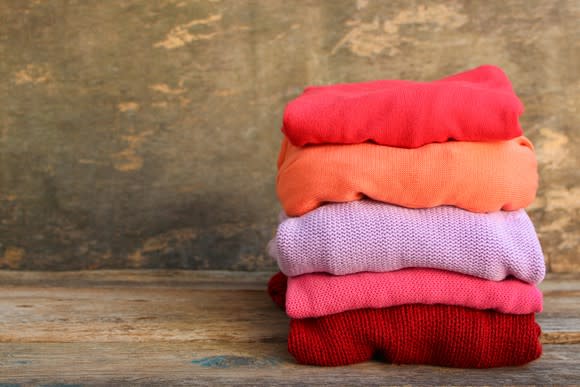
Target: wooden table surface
{"points": [[184, 328]]}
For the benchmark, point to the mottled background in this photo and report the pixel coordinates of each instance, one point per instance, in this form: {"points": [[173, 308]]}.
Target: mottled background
{"points": [[144, 133]]}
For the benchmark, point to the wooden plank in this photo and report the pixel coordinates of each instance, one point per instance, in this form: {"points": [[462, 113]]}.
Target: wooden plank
{"points": [[212, 279], [131, 305], [249, 364], [183, 327], [560, 319], [137, 278]]}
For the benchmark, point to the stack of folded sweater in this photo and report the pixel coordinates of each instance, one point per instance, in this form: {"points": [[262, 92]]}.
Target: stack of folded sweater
{"points": [[403, 235]]}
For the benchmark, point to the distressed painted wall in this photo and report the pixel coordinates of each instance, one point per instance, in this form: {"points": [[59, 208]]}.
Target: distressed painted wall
{"points": [[145, 133]]}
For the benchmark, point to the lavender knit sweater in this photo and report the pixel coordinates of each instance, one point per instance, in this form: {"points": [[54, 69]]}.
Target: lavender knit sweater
{"points": [[364, 235]]}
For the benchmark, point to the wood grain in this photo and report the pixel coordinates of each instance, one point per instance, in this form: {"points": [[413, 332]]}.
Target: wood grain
{"points": [[181, 327], [253, 364]]}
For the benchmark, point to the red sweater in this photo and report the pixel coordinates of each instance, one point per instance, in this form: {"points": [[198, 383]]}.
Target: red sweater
{"points": [[476, 105], [443, 335]]}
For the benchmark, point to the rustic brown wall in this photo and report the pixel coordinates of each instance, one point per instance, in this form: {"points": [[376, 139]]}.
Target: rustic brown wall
{"points": [[144, 133]]}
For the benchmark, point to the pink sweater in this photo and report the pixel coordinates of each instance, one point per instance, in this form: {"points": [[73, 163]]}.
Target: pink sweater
{"points": [[315, 295], [359, 236]]}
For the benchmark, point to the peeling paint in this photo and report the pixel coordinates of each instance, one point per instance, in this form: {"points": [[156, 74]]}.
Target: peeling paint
{"points": [[32, 74], [78, 95], [165, 89], [180, 35], [128, 107], [360, 4], [284, 34], [161, 243], [560, 198], [437, 16], [366, 39], [180, 38], [209, 20], [128, 160], [372, 38], [136, 259], [553, 151], [12, 257]]}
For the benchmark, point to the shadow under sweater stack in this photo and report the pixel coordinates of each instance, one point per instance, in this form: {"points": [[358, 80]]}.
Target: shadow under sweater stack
{"points": [[404, 235]]}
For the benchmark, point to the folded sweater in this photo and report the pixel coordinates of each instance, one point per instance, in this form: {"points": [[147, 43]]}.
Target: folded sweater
{"points": [[316, 295], [442, 335], [475, 105], [365, 235], [476, 176]]}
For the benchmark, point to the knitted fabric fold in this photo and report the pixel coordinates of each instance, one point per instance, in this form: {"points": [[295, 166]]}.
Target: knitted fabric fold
{"points": [[476, 176], [475, 105], [440, 335], [365, 235], [316, 295]]}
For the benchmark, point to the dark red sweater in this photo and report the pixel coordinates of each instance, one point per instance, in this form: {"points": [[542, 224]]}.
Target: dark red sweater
{"points": [[441, 335], [475, 105]]}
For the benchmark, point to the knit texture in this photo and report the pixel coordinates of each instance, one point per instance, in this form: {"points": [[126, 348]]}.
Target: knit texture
{"points": [[476, 176], [316, 295], [365, 235], [440, 335], [476, 105]]}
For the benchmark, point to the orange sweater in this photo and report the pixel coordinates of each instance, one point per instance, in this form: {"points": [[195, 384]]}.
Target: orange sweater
{"points": [[476, 176]]}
